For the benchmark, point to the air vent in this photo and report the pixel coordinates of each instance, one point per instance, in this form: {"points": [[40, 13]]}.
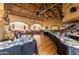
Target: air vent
{"points": [[37, 13], [73, 9]]}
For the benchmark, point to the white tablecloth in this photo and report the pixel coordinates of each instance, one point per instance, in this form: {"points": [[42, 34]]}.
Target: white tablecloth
{"points": [[8, 44]]}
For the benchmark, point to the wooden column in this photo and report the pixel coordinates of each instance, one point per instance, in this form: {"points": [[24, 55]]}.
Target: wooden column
{"points": [[1, 20]]}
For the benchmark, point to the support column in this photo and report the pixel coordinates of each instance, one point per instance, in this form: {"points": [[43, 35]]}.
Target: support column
{"points": [[1, 20]]}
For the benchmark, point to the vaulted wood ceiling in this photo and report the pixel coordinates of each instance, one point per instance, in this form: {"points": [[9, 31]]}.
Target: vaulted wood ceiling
{"points": [[37, 11]]}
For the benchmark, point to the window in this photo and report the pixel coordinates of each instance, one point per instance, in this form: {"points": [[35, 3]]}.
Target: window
{"points": [[46, 27], [54, 27], [19, 26], [36, 27], [73, 9]]}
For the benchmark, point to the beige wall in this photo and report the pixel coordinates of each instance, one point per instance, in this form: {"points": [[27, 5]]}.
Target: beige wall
{"points": [[31, 21]]}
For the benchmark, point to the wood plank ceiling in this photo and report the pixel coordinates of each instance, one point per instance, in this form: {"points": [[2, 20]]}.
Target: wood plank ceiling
{"points": [[35, 11]]}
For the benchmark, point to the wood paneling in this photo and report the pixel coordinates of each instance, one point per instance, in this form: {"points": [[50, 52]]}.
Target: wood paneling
{"points": [[52, 11], [68, 15]]}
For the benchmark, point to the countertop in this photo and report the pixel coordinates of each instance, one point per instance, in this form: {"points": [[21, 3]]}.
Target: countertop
{"points": [[67, 41]]}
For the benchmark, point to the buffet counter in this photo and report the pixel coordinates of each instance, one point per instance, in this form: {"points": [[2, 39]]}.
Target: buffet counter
{"points": [[61, 48], [22, 46], [67, 41], [65, 45]]}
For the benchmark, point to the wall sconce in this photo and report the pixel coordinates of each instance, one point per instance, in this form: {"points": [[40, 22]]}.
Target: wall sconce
{"points": [[0, 19]]}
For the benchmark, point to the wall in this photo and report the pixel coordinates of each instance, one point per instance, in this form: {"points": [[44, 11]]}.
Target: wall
{"points": [[19, 26], [31, 21], [68, 16]]}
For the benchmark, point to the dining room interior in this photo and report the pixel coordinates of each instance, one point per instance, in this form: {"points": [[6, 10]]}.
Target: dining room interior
{"points": [[39, 29]]}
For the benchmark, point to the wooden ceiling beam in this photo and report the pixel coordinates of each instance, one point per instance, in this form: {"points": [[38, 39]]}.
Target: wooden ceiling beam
{"points": [[22, 15], [47, 9], [60, 11], [53, 13], [23, 7]]}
